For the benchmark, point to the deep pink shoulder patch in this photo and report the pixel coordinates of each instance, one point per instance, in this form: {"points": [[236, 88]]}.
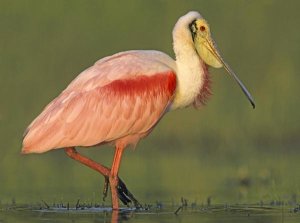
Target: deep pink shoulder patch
{"points": [[160, 83]]}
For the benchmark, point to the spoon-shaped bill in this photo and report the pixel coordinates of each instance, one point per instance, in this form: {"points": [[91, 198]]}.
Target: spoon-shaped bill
{"points": [[210, 45]]}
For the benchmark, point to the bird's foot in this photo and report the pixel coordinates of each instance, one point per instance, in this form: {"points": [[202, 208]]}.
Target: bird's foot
{"points": [[123, 193], [105, 189], [126, 196]]}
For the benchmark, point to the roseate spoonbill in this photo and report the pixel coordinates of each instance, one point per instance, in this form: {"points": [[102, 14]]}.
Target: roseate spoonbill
{"points": [[121, 98]]}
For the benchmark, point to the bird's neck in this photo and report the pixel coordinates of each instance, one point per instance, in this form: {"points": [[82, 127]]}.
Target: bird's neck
{"points": [[191, 73]]}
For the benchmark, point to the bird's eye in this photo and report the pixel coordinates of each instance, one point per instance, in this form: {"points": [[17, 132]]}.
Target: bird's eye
{"points": [[202, 28]]}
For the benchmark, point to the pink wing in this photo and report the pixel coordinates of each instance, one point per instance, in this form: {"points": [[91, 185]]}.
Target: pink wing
{"points": [[119, 97]]}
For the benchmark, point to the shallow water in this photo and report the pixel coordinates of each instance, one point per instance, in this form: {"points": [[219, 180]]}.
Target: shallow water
{"points": [[221, 213]]}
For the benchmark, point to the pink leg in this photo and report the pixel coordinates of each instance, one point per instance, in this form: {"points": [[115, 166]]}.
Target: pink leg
{"points": [[118, 188], [105, 171], [113, 177], [71, 152]]}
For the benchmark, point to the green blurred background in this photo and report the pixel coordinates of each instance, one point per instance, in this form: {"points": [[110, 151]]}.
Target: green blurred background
{"points": [[226, 151]]}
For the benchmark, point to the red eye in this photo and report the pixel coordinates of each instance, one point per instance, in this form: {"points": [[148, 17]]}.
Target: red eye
{"points": [[202, 28]]}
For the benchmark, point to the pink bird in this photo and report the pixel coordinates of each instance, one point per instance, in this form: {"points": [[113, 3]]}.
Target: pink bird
{"points": [[121, 98]]}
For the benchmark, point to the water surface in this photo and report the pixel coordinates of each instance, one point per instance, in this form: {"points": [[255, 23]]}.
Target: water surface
{"points": [[218, 213]]}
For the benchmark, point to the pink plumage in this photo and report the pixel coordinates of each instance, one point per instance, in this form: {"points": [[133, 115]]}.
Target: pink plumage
{"points": [[119, 99], [122, 97]]}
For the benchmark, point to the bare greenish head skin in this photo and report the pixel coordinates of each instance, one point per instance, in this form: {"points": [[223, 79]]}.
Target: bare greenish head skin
{"points": [[208, 52], [204, 44]]}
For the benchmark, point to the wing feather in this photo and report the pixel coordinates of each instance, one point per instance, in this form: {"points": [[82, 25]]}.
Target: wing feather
{"points": [[125, 94]]}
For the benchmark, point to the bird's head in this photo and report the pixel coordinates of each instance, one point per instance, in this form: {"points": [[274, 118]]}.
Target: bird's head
{"points": [[204, 44], [198, 31]]}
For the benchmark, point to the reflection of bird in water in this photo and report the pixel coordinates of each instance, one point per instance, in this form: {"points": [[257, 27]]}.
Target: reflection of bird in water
{"points": [[121, 98]]}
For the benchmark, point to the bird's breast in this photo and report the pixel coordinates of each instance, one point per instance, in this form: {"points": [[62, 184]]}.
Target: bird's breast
{"points": [[205, 90], [190, 81]]}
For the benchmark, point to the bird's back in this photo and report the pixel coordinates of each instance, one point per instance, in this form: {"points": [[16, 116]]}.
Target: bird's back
{"points": [[119, 99]]}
